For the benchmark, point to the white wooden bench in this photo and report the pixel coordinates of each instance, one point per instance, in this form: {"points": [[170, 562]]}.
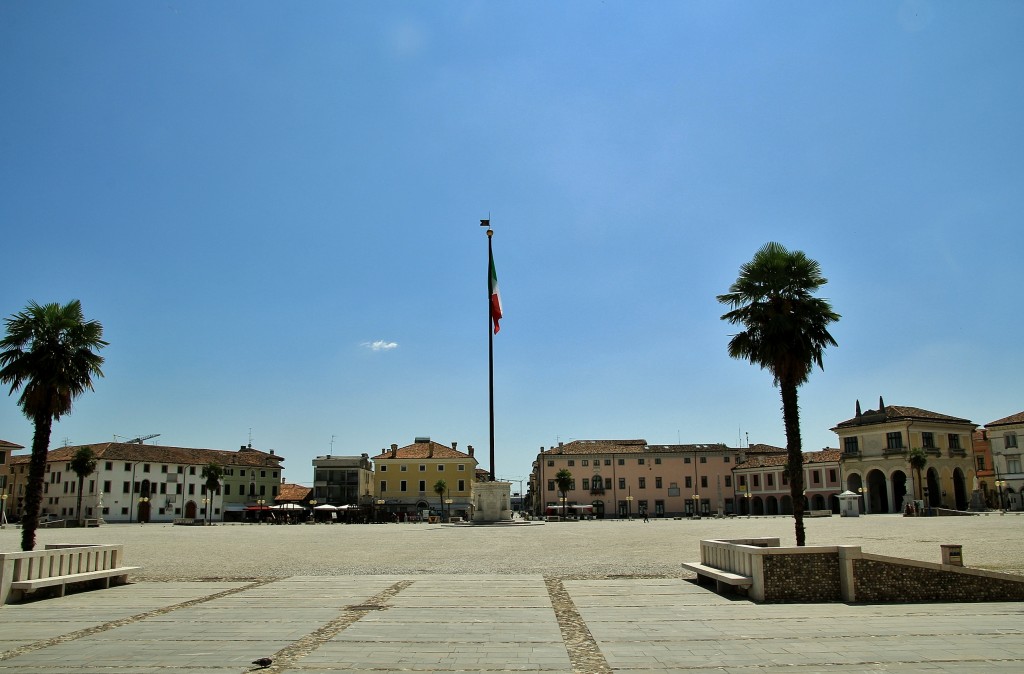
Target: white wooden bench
{"points": [[59, 566], [719, 576]]}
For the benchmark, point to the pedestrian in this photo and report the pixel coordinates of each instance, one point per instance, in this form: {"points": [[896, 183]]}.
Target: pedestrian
{"points": [[645, 515]]}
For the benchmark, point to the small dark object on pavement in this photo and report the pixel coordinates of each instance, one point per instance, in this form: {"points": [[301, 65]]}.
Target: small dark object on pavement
{"points": [[263, 662]]}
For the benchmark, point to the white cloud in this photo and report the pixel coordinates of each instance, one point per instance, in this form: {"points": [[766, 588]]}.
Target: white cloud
{"points": [[380, 345]]}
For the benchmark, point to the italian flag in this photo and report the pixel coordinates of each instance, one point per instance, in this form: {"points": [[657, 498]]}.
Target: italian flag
{"points": [[492, 287]]}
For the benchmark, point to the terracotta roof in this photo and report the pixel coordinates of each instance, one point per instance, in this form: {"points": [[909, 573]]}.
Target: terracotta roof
{"points": [[423, 450], [1017, 418], [293, 492], [577, 447], [9, 445], [898, 413], [764, 461], [119, 451]]}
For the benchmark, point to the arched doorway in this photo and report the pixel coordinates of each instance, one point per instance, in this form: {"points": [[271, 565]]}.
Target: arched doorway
{"points": [[899, 489], [877, 496], [834, 503], [771, 506], [144, 510], [758, 506], [933, 493], [598, 509], [190, 510], [786, 505], [960, 496], [817, 502]]}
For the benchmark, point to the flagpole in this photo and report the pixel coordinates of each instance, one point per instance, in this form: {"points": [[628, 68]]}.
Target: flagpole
{"points": [[490, 341]]}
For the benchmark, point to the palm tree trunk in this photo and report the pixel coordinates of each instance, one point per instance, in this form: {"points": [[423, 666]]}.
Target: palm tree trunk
{"points": [[36, 478], [795, 456], [78, 510]]}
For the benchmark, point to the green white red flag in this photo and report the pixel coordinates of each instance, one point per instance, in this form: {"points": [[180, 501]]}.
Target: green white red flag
{"points": [[492, 287]]}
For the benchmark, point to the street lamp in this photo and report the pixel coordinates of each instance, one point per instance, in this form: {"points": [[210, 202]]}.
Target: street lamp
{"points": [[629, 506], [3, 512], [312, 508], [863, 491], [376, 514], [696, 505], [142, 500], [999, 484], [259, 508], [748, 502], [448, 502]]}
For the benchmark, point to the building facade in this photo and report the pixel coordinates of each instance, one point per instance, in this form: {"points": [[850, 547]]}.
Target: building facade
{"points": [[6, 448], [764, 488], [626, 478], [404, 479], [875, 449], [1005, 437], [343, 480], [150, 483]]}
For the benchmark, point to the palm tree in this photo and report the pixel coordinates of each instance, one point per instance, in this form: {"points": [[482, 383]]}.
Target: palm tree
{"points": [[83, 464], [212, 473], [918, 459], [440, 487], [50, 353], [563, 480], [785, 332]]}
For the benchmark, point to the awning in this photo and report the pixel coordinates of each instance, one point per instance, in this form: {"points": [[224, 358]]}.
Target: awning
{"points": [[326, 506], [287, 506]]}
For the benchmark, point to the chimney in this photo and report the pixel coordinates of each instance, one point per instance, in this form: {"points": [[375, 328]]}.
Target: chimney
{"points": [[858, 408], [430, 450], [881, 404], [470, 448], [394, 451], [454, 445]]}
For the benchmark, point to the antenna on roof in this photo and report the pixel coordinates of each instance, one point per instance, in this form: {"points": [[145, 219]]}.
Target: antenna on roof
{"points": [[142, 439]]}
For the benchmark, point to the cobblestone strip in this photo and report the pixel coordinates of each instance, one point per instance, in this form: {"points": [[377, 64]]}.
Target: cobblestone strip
{"points": [[584, 654], [289, 655], [120, 622]]}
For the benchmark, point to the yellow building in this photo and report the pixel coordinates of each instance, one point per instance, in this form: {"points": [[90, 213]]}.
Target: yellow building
{"points": [[875, 448], [404, 479]]}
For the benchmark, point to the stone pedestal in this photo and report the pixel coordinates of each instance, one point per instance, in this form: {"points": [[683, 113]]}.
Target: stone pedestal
{"points": [[491, 502]]}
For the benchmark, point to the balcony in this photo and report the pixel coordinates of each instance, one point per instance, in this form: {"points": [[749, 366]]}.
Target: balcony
{"points": [[954, 453]]}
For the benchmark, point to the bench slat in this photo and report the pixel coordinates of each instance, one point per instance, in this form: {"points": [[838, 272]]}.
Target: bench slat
{"points": [[719, 575], [72, 578]]}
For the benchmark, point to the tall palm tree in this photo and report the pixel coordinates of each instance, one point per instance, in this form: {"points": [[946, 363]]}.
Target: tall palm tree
{"points": [[440, 487], [50, 353], [918, 459], [212, 473], [785, 332], [83, 464], [563, 480]]}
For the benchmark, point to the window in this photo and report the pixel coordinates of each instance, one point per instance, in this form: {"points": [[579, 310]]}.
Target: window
{"points": [[191, 470], [126, 488], [263, 490], [586, 483], [622, 483], [688, 482], [954, 441], [981, 463], [757, 480], [894, 440], [657, 483], [607, 483], [657, 462], [106, 486], [403, 486], [728, 480], [686, 459], [643, 482], [423, 485], [263, 473], [771, 479], [703, 459], [1013, 464], [403, 468], [607, 462], [383, 486], [462, 485], [927, 440], [743, 480], [832, 475], [128, 467], [1010, 441], [383, 468], [572, 462], [622, 462], [423, 468], [191, 489], [584, 462], [462, 467], [163, 469], [850, 445], [440, 467], [551, 485], [725, 459], [703, 481], [550, 464], [109, 465], [227, 489], [639, 462]]}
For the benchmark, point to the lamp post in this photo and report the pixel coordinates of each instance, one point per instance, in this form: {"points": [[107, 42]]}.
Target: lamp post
{"points": [[142, 501], [748, 496], [99, 508], [629, 506], [259, 509], [999, 485], [448, 504], [312, 508], [863, 491], [696, 506], [3, 511], [206, 509], [376, 512]]}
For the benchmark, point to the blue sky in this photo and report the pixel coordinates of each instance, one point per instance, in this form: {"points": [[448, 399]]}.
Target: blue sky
{"points": [[249, 196]]}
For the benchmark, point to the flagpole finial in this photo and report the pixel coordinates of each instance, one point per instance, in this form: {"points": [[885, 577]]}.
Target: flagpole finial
{"points": [[487, 223]]}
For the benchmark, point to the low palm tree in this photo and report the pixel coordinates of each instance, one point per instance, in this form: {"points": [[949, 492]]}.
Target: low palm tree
{"points": [[785, 332], [918, 459], [440, 487], [83, 464], [212, 473], [563, 480], [49, 353]]}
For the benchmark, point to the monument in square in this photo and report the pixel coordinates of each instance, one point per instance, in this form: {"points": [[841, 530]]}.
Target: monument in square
{"points": [[492, 502]]}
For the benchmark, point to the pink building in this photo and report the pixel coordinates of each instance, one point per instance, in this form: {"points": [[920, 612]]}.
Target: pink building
{"points": [[763, 485], [622, 478]]}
